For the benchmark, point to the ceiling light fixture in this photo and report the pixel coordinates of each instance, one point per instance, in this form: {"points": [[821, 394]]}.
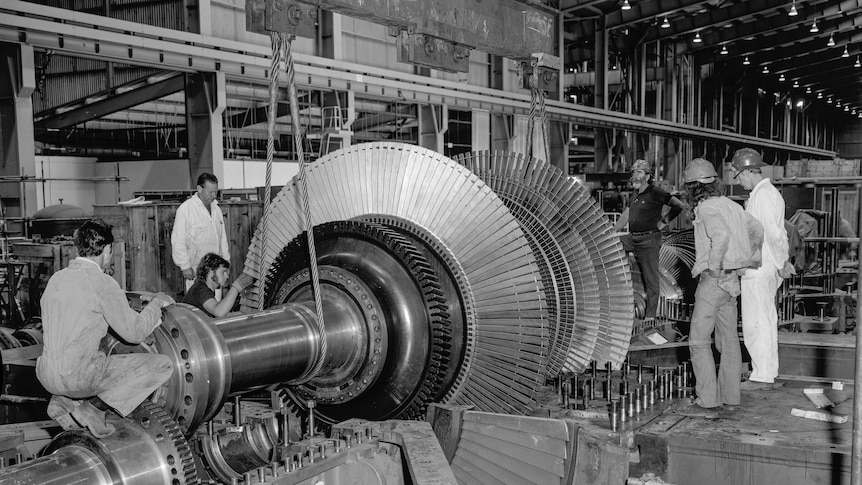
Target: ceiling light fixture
{"points": [[626, 5], [846, 108], [831, 42], [819, 95], [795, 84], [781, 77], [829, 100], [765, 69], [745, 61], [724, 51], [697, 39], [857, 64], [793, 12], [846, 53], [808, 90], [814, 28], [665, 24]]}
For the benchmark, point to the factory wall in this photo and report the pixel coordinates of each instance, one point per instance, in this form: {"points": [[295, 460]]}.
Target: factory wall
{"points": [[849, 140], [239, 174], [79, 193], [143, 175]]}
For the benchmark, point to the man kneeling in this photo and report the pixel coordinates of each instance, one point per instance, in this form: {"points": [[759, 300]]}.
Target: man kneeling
{"points": [[80, 303]]}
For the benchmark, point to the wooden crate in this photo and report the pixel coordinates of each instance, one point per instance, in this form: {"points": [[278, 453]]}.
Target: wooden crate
{"points": [[823, 168], [848, 168], [146, 230], [796, 168]]}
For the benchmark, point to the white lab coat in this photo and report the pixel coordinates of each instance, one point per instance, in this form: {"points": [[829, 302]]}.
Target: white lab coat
{"points": [[197, 232], [759, 312]]}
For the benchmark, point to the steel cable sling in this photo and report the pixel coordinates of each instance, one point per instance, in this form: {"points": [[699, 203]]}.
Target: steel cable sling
{"points": [[282, 53]]}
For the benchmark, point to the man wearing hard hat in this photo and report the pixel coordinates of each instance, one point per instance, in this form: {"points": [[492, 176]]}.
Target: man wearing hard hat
{"points": [[726, 240], [759, 313]]}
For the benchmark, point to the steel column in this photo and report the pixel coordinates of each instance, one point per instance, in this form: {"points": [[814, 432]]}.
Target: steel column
{"points": [[17, 145], [205, 102]]}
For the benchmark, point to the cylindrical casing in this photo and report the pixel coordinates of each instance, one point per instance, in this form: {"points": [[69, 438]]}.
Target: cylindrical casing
{"points": [[69, 465]]}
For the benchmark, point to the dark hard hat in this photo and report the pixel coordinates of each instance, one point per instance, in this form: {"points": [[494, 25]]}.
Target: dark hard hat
{"points": [[641, 164], [699, 170], [746, 159]]}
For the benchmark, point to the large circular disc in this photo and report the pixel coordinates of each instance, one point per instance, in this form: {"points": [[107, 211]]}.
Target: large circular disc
{"points": [[587, 280], [506, 352]]}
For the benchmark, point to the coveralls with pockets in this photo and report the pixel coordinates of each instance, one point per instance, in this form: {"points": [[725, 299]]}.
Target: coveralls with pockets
{"points": [[759, 313], [79, 304], [197, 232]]}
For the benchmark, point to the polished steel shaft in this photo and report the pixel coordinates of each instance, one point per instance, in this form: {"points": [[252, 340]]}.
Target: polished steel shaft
{"points": [[217, 358]]}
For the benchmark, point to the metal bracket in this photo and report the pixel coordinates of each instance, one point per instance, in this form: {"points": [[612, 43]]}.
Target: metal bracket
{"points": [[285, 16], [434, 52], [548, 69]]}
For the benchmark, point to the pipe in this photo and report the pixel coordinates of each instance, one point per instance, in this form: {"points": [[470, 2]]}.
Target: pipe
{"points": [[856, 450]]}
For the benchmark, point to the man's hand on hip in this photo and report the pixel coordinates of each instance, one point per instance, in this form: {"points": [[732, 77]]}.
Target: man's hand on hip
{"points": [[189, 274]]}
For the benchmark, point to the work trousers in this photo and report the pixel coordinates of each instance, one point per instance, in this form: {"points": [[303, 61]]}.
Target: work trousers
{"points": [[121, 381], [760, 322], [715, 310], [646, 248]]}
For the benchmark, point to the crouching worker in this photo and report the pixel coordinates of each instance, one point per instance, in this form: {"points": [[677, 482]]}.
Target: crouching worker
{"points": [[212, 274], [80, 303]]}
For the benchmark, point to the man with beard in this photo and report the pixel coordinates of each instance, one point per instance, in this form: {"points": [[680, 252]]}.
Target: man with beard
{"points": [[727, 241], [645, 221]]}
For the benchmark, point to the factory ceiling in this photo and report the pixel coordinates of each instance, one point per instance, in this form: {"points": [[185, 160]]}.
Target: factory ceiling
{"points": [[792, 49], [807, 47]]}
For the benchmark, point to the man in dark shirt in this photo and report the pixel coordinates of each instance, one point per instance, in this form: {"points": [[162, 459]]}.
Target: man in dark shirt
{"points": [[645, 221], [212, 274]]}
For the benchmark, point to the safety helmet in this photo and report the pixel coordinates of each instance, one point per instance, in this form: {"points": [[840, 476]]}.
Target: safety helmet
{"points": [[641, 164], [746, 159], [699, 170]]}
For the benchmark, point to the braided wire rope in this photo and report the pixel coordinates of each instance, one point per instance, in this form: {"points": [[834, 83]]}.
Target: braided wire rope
{"points": [[303, 188], [274, 69]]}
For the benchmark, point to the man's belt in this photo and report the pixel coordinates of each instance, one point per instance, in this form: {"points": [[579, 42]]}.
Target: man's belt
{"points": [[645, 233]]}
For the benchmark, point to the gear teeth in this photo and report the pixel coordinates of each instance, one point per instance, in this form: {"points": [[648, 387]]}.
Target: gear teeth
{"points": [[165, 430], [426, 278]]}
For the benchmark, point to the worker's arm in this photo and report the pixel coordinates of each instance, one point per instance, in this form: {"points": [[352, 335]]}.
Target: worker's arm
{"points": [[222, 308], [676, 206], [623, 221], [131, 326], [225, 249], [770, 213], [179, 247], [719, 237]]}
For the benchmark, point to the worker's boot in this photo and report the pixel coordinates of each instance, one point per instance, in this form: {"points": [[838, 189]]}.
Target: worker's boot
{"points": [[94, 419], [60, 409]]}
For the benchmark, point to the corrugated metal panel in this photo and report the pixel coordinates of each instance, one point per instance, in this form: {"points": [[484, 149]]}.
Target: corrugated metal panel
{"points": [[165, 13], [67, 79]]}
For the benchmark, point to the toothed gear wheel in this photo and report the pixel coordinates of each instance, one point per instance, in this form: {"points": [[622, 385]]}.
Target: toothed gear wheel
{"points": [[438, 293], [169, 438]]}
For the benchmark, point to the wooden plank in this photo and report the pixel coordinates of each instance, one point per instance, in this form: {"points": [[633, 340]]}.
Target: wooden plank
{"points": [[822, 340], [552, 428]]}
